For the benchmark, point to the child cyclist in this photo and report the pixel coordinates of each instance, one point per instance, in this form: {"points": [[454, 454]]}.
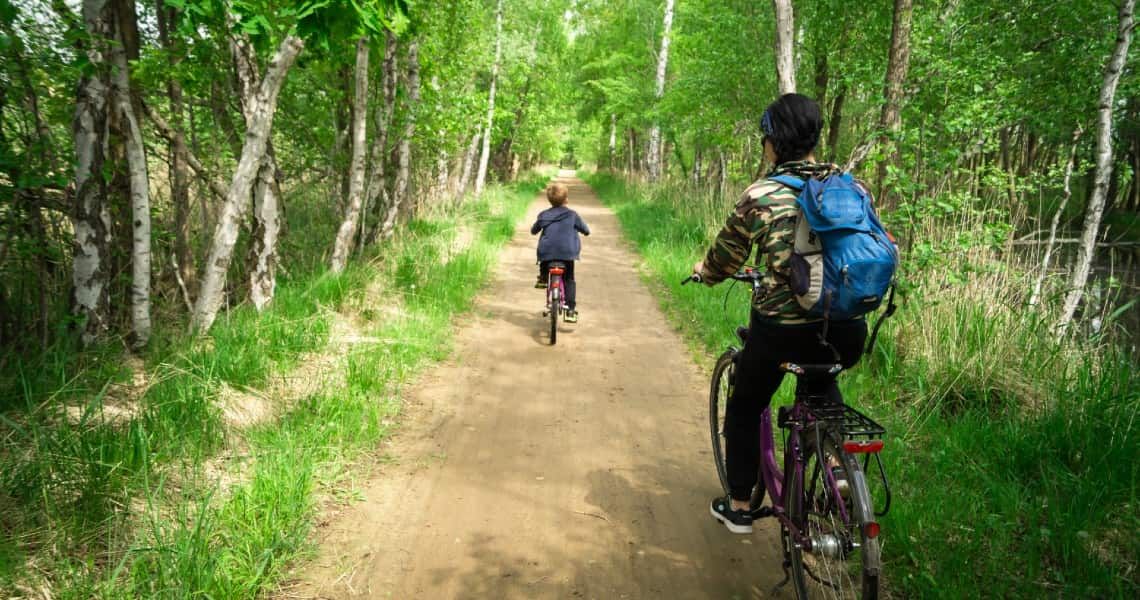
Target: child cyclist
{"points": [[560, 227]]}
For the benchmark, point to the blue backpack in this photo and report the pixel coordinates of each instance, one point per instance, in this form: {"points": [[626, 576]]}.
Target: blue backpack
{"points": [[843, 262]]}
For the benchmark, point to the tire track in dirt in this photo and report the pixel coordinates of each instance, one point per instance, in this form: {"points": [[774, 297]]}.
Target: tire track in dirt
{"points": [[523, 470]]}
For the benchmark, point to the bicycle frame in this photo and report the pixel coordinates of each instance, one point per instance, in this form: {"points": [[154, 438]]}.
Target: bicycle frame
{"points": [[555, 281]]}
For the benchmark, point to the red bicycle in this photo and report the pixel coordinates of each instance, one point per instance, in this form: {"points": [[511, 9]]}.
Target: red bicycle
{"points": [[555, 298]]}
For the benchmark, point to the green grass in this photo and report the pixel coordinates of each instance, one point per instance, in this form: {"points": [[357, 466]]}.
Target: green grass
{"points": [[173, 502], [1012, 456]]}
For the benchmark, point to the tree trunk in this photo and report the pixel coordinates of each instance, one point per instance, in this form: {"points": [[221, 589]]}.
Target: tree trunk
{"points": [[378, 198], [403, 175], [835, 122], [613, 139], [468, 165], [179, 170], [485, 156], [785, 38], [1066, 194], [233, 210], [1095, 210], [266, 213], [345, 236], [654, 158], [139, 183], [897, 65], [92, 219]]}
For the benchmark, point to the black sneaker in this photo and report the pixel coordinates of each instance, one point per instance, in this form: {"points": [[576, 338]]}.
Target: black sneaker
{"points": [[570, 316], [737, 521], [540, 284]]}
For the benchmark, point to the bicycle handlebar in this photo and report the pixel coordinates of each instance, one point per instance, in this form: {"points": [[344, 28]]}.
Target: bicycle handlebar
{"points": [[749, 276]]}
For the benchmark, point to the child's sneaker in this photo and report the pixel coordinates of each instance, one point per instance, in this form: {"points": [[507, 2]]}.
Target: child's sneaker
{"points": [[571, 316], [737, 521], [540, 284]]}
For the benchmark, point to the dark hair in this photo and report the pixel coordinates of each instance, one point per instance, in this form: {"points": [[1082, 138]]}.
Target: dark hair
{"points": [[792, 123]]}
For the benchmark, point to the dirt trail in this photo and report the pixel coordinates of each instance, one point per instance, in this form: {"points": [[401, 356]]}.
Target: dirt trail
{"points": [[524, 470]]}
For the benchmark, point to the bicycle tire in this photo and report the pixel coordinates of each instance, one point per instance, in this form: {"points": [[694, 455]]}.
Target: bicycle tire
{"points": [[555, 305], [854, 572], [720, 391]]}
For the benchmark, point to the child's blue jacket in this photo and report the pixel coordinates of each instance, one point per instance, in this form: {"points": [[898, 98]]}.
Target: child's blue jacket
{"points": [[560, 227]]}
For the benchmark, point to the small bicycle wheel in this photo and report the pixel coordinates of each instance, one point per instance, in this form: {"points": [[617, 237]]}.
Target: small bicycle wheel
{"points": [[555, 308], [842, 559]]}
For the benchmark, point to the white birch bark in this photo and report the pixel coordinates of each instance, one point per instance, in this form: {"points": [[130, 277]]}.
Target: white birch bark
{"points": [[654, 158], [238, 196], [377, 196], [345, 236], [1095, 210], [1067, 193], [140, 201], [468, 166], [266, 212], [613, 139], [403, 175], [91, 220], [785, 32], [485, 156]]}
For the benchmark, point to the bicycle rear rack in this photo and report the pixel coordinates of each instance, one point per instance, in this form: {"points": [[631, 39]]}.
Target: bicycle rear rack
{"points": [[852, 425], [847, 420]]}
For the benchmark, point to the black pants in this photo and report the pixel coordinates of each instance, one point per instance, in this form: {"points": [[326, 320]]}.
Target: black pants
{"points": [[567, 280], [758, 375]]}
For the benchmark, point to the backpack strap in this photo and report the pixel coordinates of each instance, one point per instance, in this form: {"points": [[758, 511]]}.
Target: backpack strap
{"points": [[891, 306], [791, 181]]}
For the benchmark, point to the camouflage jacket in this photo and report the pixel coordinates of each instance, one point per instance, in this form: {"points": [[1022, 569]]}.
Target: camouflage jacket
{"points": [[764, 217]]}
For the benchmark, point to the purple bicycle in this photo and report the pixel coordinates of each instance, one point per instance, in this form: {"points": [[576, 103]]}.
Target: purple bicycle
{"points": [[555, 298], [821, 499]]}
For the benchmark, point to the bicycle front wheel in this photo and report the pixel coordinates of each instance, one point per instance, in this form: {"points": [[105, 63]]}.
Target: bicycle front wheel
{"points": [[555, 306], [832, 507], [720, 393]]}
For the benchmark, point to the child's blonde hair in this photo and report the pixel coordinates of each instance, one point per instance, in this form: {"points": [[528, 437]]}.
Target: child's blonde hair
{"points": [[556, 193]]}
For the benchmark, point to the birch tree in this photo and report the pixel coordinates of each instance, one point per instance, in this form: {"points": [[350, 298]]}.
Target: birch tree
{"points": [[654, 158], [400, 190], [91, 219], [266, 212], [139, 182], [238, 196], [345, 236], [785, 39], [485, 156], [1095, 210], [377, 197]]}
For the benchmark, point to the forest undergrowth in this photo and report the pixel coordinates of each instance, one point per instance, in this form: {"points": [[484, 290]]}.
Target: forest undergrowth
{"points": [[197, 468], [1011, 454]]}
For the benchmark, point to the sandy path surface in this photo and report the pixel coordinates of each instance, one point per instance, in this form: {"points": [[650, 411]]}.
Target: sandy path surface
{"points": [[525, 470]]}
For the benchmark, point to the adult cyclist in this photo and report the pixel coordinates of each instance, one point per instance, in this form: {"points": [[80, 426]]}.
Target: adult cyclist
{"points": [[780, 329]]}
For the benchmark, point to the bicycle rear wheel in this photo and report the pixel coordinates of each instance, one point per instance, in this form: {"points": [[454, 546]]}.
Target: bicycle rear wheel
{"points": [[719, 394], [555, 308], [843, 560]]}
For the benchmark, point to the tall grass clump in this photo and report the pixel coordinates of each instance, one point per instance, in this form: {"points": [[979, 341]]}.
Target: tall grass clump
{"points": [[1008, 448], [131, 482]]}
